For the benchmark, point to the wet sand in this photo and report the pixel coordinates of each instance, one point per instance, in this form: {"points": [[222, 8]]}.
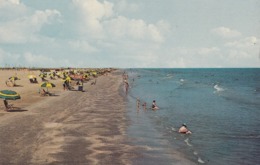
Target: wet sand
{"points": [[72, 127]]}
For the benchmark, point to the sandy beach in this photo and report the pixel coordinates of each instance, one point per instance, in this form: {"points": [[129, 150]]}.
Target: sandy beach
{"points": [[77, 127], [72, 127]]}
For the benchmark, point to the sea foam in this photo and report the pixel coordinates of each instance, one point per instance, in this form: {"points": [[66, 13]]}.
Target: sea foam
{"points": [[187, 142], [200, 160], [218, 88]]}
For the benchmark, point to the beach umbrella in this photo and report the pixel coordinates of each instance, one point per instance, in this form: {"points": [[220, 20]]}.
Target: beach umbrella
{"points": [[31, 76], [68, 78], [48, 85], [77, 77], [14, 78], [9, 95], [94, 74], [43, 75]]}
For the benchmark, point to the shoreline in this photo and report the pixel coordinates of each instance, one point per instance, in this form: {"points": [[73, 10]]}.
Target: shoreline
{"points": [[145, 129], [74, 127]]}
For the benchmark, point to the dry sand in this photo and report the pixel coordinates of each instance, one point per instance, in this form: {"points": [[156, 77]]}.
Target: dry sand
{"points": [[72, 127]]}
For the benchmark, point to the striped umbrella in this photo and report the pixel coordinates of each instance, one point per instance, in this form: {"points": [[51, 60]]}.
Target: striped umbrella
{"points": [[9, 95]]}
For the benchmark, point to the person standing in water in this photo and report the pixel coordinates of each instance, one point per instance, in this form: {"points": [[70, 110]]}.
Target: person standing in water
{"points": [[138, 103], [126, 86], [144, 105], [154, 106]]}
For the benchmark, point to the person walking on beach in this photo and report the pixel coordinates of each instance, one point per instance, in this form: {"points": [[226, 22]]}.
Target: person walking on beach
{"points": [[125, 76], [125, 80], [126, 86]]}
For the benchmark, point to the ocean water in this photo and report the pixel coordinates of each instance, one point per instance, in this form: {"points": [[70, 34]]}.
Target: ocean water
{"points": [[220, 106]]}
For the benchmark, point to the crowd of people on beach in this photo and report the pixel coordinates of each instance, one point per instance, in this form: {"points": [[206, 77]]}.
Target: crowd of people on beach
{"points": [[79, 76], [183, 129]]}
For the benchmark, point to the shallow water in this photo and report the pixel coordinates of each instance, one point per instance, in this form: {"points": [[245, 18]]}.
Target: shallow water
{"points": [[220, 106]]}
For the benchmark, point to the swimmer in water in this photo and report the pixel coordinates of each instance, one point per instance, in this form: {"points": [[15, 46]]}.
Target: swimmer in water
{"points": [[184, 129]]}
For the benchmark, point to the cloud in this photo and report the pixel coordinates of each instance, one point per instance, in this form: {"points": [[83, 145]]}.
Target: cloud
{"points": [[116, 33], [25, 59], [124, 6], [101, 21], [9, 2], [204, 57], [179, 62], [17, 2], [244, 51], [247, 42], [7, 58], [92, 13], [42, 60], [82, 46], [225, 32], [32, 59], [137, 29], [25, 28], [208, 51], [10, 10], [238, 54]]}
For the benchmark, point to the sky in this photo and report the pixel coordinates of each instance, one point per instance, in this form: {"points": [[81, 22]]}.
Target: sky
{"points": [[130, 33]]}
